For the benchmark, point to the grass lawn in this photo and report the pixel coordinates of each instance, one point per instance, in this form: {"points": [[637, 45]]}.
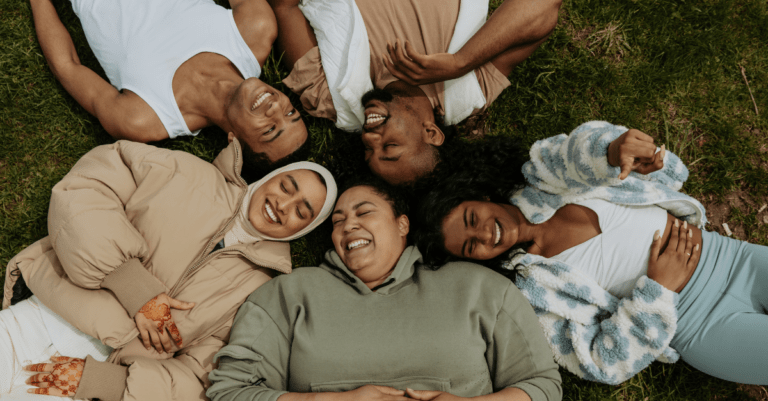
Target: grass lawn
{"points": [[692, 74]]}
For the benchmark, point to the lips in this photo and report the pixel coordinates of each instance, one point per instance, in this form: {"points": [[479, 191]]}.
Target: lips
{"points": [[270, 215], [260, 100], [497, 238]]}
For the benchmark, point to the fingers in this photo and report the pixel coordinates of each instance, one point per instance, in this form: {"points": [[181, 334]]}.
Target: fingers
{"points": [[423, 395], [683, 234], [414, 55], [656, 246], [639, 135], [155, 337], [176, 304], [389, 390], [144, 334], [394, 71], [40, 367], [174, 332], [689, 243], [64, 359], [40, 378], [626, 168], [165, 340], [674, 235], [693, 261]]}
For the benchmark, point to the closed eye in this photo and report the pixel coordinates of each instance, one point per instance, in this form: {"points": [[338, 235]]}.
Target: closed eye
{"points": [[298, 211]]}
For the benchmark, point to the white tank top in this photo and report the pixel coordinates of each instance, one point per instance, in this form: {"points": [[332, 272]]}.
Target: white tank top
{"points": [[141, 43], [618, 256]]}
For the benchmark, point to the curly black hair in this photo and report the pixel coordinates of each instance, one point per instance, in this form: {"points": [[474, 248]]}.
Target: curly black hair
{"points": [[487, 170], [257, 165]]}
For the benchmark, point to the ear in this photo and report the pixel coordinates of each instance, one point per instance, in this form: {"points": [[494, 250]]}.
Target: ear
{"points": [[432, 135], [230, 137], [403, 225]]}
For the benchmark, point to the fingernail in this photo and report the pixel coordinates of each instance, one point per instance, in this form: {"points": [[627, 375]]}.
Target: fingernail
{"points": [[656, 235], [696, 248], [685, 224], [690, 233], [677, 223]]}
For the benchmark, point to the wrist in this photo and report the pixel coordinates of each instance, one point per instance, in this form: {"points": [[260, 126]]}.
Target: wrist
{"points": [[613, 154]]}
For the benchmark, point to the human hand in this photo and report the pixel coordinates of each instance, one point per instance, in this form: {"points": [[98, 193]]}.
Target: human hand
{"points": [[60, 378], [374, 393], [155, 322], [673, 267], [634, 151], [414, 68], [428, 395]]}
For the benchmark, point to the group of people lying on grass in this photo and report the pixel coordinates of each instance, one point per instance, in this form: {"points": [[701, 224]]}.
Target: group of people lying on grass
{"points": [[167, 277]]}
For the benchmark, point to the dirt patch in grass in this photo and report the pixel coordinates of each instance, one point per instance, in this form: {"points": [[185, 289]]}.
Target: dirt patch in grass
{"points": [[758, 393], [719, 212]]}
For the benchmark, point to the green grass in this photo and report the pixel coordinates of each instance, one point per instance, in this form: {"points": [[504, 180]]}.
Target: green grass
{"points": [[669, 68]]}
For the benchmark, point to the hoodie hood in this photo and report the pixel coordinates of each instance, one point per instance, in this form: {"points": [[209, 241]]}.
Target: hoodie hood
{"points": [[401, 274]]}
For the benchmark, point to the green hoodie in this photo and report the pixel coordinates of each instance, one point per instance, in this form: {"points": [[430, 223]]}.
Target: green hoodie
{"points": [[463, 329]]}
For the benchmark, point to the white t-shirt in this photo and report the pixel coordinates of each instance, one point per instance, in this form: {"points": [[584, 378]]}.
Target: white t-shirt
{"points": [[141, 43], [618, 256]]}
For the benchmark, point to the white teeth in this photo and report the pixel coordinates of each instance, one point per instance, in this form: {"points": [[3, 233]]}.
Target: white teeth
{"points": [[373, 118], [498, 234], [270, 213], [260, 100], [357, 244]]}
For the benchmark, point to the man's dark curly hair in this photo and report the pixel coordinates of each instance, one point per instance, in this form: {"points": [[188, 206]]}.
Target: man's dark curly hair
{"points": [[257, 165], [395, 196], [487, 170]]}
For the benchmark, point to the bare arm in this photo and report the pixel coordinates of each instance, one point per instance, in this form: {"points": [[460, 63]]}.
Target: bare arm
{"points": [[295, 36], [124, 116], [512, 33]]}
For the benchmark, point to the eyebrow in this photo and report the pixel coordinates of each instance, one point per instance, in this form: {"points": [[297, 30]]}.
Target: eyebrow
{"points": [[293, 181], [338, 211]]}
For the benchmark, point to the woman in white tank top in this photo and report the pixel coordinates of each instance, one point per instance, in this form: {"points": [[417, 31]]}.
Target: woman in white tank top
{"points": [[595, 243], [175, 67]]}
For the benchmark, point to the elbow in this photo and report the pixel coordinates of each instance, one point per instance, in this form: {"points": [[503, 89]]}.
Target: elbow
{"points": [[548, 18], [138, 128]]}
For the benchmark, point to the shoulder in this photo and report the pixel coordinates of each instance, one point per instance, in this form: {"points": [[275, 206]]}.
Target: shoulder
{"points": [[468, 275], [257, 25], [299, 283]]}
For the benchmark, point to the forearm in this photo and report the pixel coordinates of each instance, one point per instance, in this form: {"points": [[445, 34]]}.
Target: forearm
{"points": [[515, 23], [507, 394]]}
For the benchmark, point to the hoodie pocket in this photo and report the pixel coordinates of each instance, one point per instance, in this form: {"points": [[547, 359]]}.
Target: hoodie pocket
{"points": [[412, 382], [243, 364]]}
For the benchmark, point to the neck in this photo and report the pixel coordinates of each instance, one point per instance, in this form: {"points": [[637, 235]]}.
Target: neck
{"points": [[526, 231], [204, 86]]}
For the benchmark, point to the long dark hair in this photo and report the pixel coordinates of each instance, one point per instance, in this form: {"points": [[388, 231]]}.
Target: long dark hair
{"points": [[487, 170]]}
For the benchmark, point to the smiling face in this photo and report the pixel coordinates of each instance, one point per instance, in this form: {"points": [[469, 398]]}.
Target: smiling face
{"points": [[399, 135], [287, 203], [480, 230], [367, 235], [264, 119]]}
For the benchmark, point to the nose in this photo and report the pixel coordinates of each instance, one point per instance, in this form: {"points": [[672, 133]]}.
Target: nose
{"points": [[484, 233], [350, 225], [272, 109]]}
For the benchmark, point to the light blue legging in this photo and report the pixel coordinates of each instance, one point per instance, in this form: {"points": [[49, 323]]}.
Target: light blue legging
{"points": [[722, 325]]}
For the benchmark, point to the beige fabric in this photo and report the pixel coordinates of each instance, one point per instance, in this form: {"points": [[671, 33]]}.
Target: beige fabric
{"points": [[426, 24], [167, 209], [101, 380]]}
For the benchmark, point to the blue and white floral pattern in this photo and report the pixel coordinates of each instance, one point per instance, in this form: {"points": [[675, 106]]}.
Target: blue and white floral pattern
{"points": [[592, 333]]}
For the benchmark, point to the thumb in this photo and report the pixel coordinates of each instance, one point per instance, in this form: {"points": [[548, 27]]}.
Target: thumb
{"points": [[424, 395], [389, 390], [626, 168], [656, 246], [176, 304]]}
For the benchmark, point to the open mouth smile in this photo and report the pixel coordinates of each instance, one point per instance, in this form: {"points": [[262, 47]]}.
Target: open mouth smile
{"points": [[260, 100], [498, 234], [357, 244], [270, 213]]}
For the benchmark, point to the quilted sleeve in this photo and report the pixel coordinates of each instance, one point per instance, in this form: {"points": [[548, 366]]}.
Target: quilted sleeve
{"points": [[593, 334]]}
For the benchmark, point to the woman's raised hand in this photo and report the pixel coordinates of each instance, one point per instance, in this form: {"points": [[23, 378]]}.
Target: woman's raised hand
{"points": [[634, 151], [155, 322], [60, 378], [673, 267]]}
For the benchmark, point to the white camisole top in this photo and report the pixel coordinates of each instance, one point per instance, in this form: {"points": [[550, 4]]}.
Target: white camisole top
{"points": [[141, 43], [618, 256]]}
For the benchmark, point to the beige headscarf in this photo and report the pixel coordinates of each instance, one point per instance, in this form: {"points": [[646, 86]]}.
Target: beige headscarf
{"points": [[243, 232]]}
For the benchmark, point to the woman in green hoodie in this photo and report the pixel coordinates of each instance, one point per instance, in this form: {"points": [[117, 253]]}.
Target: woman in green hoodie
{"points": [[373, 323]]}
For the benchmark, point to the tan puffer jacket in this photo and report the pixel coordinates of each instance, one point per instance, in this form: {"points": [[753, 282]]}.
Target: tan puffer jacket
{"points": [[129, 222]]}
